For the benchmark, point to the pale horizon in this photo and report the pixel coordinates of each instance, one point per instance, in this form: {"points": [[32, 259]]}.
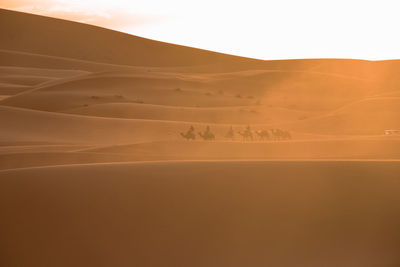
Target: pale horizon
{"points": [[268, 30]]}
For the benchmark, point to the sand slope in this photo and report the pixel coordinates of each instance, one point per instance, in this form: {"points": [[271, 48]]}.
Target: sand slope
{"points": [[23, 156], [147, 91], [72, 95], [225, 115], [202, 214], [124, 49], [370, 116], [38, 126], [38, 30], [346, 148]]}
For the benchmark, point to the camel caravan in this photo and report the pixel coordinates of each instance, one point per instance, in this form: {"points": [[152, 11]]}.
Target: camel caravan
{"points": [[246, 135]]}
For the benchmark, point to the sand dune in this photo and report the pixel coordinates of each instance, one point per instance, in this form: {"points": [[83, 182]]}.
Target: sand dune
{"points": [[12, 89], [118, 88], [25, 80], [157, 90], [370, 116], [12, 157], [135, 51], [25, 71], [345, 148], [202, 214], [94, 171], [271, 89], [225, 115], [13, 58], [41, 148], [131, 50], [57, 158], [38, 126]]}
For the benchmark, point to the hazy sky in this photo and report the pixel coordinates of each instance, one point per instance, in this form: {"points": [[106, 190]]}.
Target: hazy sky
{"points": [[265, 29]]}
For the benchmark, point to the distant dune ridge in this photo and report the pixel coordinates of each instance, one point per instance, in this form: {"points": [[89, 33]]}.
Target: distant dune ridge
{"points": [[94, 169]]}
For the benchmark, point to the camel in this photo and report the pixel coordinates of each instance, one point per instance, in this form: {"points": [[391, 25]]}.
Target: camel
{"points": [[263, 134], [287, 135], [189, 135], [230, 134], [280, 134], [207, 135], [247, 134], [276, 133]]}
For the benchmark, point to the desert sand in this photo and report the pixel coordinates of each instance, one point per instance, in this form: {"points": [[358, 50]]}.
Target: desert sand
{"points": [[94, 170]]}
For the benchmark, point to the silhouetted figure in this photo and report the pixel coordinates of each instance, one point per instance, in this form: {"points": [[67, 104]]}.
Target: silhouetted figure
{"points": [[230, 134], [207, 134], [189, 135], [279, 134], [247, 134], [287, 135], [276, 133], [263, 134]]}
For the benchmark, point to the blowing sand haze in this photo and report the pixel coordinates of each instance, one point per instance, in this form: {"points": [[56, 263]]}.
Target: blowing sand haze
{"points": [[116, 150]]}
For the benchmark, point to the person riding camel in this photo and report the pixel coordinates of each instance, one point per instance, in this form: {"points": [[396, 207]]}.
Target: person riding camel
{"points": [[248, 129], [246, 134], [230, 133], [189, 134], [191, 129], [207, 135]]}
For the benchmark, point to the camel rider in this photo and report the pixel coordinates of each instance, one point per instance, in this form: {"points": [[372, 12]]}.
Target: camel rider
{"points": [[207, 133], [230, 133], [191, 130], [248, 129]]}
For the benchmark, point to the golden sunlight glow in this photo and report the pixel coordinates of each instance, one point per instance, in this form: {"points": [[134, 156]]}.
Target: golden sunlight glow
{"points": [[261, 29]]}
